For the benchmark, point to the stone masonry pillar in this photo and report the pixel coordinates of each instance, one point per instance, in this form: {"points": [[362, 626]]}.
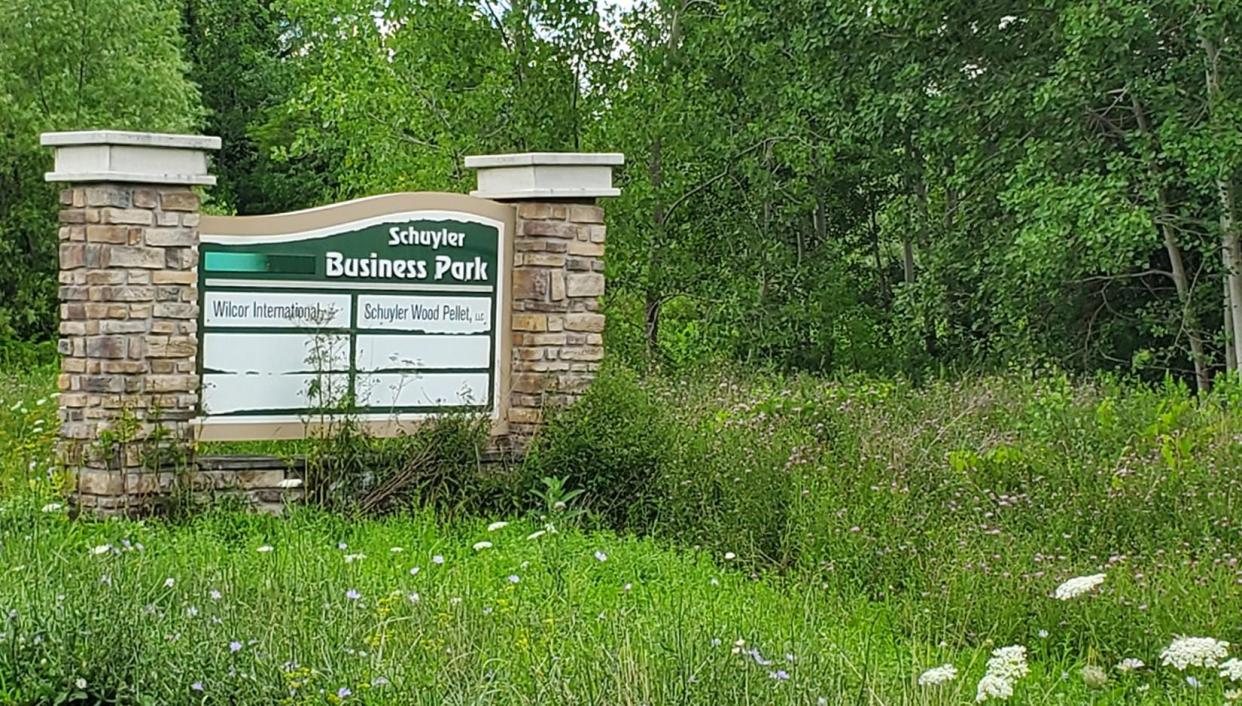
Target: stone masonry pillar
{"points": [[558, 274], [128, 307]]}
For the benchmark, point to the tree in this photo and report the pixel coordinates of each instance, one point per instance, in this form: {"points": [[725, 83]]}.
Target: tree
{"points": [[68, 65]]}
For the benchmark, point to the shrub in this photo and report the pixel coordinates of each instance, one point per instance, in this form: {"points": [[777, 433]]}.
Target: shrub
{"points": [[611, 443]]}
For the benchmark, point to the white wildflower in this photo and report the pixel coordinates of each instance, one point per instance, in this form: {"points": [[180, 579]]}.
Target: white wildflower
{"points": [[101, 549], [80, 682], [437, 559], [992, 686], [938, 675], [396, 550], [264, 549], [1129, 664], [497, 525], [1009, 663], [600, 556], [1233, 695], [169, 582], [351, 558], [1186, 652], [1192, 682], [1231, 669], [1093, 676], [480, 546], [730, 556], [1077, 586]]}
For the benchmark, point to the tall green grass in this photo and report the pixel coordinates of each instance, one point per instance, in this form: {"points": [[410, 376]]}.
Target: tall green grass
{"points": [[868, 529]]}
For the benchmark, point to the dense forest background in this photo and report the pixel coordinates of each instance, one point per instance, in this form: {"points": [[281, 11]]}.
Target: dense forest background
{"points": [[850, 185]]}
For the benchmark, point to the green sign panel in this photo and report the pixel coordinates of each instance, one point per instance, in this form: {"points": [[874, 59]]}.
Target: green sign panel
{"points": [[391, 316]]}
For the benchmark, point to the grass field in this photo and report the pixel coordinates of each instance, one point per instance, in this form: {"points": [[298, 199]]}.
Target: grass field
{"points": [[902, 529]]}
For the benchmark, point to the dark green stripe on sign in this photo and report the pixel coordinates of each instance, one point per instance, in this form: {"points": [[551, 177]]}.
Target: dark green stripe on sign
{"points": [[259, 262]]}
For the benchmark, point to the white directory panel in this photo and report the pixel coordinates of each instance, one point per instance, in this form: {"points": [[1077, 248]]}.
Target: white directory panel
{"points": [[379, 352], [223, 394], [426, 313], [274, 352], [388, 390], [276, 310]]}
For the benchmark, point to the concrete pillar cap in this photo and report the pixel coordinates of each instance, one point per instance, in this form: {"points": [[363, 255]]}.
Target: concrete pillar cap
{"points": [[134, 157], [539, 176]]}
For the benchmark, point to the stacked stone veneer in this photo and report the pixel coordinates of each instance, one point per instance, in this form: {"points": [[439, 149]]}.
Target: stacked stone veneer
{"points": [[558, 278], [129, 339]]}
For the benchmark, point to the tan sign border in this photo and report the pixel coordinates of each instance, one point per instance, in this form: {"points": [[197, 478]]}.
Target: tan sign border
{"points": [[348, 212]]}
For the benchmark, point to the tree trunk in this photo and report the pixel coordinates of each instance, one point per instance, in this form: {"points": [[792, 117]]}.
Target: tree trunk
{"points": [[1231, 249], [1230, 345], [1164, 223], [654, 298]]}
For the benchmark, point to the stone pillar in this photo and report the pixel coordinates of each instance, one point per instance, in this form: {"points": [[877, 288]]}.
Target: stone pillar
{"points": [[558, 274], [129, 306]]}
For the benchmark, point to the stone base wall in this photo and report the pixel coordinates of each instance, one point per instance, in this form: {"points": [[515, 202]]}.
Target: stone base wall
{"points": [[128, 327], [558, 320]]}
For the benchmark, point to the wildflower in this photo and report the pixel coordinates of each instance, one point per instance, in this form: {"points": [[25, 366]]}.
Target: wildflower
{"points": [[169, 582], [730, 556], [215, 595], [234, 646], [627, 587], [344, 692], [1194, 683], [536, 534], [191, 612], [600, 556], [414, 571], [1233, 695], [1231, 669], [1129, 664], [101, 549], [497, 525], [52, 507], [1009, 663], [780, 675], [714, 581], [480, 546], [352, 594], [513, 578], [351, 558], [197, 686], [396, 550], [413, 597], [1186, 652], [437, 559], [1043, 634], [80, 683], [264, 549], [1093, 676], [342, 546], [379, 681], [992, 686], [938, 675], [1077, 586]]}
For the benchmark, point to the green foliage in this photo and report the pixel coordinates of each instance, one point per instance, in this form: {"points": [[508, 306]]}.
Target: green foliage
{"points": [[609, 444], [72, 66]]}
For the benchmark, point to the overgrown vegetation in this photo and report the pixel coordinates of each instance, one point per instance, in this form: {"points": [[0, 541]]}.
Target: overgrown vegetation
{"points": [[871, 529]]}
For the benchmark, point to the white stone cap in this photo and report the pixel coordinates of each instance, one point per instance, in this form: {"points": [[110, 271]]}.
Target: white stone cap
{"points": [[119, 156], [545, 175]]}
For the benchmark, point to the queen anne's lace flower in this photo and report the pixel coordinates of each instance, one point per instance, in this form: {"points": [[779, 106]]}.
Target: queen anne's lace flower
{"points": [[938, 675], [992, 686], [1077, 586], [1231, 669], [1093, 676], [1186, 652], [1129, 664], [1009, 663]]}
